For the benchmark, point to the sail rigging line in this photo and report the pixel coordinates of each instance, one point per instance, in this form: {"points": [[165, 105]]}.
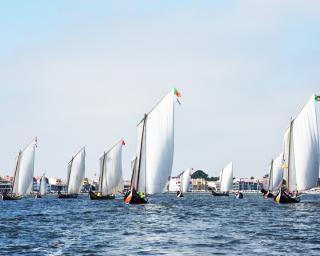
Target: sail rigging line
{"points": [[106, 152], [35, 139], [140, 153], [155, 106], [15, 171]]}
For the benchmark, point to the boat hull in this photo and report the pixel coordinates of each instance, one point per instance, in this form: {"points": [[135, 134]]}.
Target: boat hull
{"points": [[95, 196], [179, 194], [132, 197], [66, 196], [10, 197], [239, 195], [214, 193], [38, 196], [285, 198]]}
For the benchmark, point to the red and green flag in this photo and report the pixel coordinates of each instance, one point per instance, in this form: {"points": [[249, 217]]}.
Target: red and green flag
{"points": [[317, 97], [177, 93]]}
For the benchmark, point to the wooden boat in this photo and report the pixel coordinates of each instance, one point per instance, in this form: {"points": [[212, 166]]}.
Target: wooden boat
{"points": [[284, 198], [180, 194], [66, 196], [152, 164], [267, 193], [215, 193], [5, 196], [38, 196], [239, 195], [226, 181], [76, 170], [110, 179], [99, 196], [301, 154], [23, 174], [132, 197]]}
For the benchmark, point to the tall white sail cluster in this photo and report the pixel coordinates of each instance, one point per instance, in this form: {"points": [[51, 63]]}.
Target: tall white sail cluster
{"points": [[23, 177], [226, 178], [302, 153], [155, 145], [277, 172], [111, 181], [76, 170], [185, 179]]}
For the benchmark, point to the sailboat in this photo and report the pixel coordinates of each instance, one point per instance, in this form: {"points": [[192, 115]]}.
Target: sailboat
{"points": [[301, 154], [239, 195], [275, 176], [185, 179], [23, 174], [110, 180], [226, 178], [152, 165], [43, 187], [76, 170]]}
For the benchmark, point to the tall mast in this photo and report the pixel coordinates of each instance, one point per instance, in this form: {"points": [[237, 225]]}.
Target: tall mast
{"points": [[289, 153], [140, 153], [69, 173], [270, 174], [15, 171], [102, 171]]}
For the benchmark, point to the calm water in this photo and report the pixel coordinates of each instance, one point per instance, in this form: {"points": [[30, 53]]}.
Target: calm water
{"points": [[195, 224]]}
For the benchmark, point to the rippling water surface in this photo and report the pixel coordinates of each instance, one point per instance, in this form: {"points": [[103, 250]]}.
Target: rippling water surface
{"points": [[197, 224]]}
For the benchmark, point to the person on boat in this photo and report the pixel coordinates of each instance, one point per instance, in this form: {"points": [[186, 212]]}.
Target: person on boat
{"points": [[141, 194]]}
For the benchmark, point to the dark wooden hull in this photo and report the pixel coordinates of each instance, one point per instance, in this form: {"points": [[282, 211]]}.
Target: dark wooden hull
{"points": [[67, 196], [95, 196], [214, 193], [284, 198], [180, 194], [267, 194], [11, 197], [132, 197], [239, 195]]}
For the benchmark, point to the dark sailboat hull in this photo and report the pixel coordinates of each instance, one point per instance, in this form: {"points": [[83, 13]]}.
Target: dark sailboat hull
{"points": [[66, 196], [267, 194], [180, 194], [38, 196], [132, 197], [95, 196], [239, 195], [214, 193], [284, 198], [10, 197]]}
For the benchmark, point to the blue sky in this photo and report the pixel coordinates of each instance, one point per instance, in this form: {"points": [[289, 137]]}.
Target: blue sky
{"points": [[80, 73]]}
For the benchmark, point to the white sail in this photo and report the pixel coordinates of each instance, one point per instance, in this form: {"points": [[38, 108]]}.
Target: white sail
{"points": [[160, 145], [155, 144], [277, 172], [306, 146], [26, 169], [77, 170], [185, 179], [227, 178], [111, 170], [43, 185]]}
